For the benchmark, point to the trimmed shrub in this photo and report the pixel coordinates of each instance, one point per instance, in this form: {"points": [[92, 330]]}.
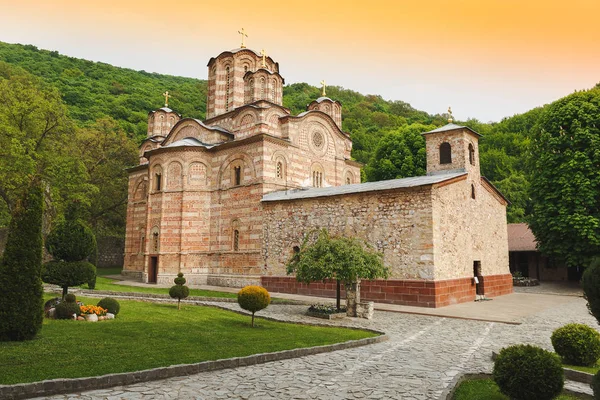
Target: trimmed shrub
{"points": [[525, 372], [590, 281], [71, 241], [65, 310], [596, 385], [70, 298], [66, 274], [577, 344], [179, 291], [253, 299], [21, 308], [110, 304]]}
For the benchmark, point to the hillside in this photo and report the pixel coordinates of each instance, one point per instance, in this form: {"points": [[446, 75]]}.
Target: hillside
{"points": [[94, 90]]}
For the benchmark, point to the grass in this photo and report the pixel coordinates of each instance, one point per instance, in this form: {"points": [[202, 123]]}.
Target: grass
{"points": [[589, 370], [150, 335], [486, 389]]}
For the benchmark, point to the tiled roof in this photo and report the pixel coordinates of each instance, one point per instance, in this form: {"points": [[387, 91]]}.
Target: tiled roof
{"points": [[360, 187], [520, 238]]}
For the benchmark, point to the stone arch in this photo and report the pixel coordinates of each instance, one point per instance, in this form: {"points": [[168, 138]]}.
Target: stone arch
{"points": [[246, 119], [281, 165], [248, 170], [174, 175], [141, 189], [317, 175], [197, 174], [349, 178]]}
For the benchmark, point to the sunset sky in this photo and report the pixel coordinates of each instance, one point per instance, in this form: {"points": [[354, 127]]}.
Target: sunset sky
{"points": [[488, 59]]}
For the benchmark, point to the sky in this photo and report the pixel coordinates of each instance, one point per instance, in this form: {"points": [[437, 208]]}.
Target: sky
{"points": [[488, 59]]}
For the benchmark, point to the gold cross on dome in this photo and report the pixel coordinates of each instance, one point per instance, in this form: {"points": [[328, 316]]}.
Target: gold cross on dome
{"points": [[324, 84], [263, 53], [166, 94], [450, 115], [244, 36]]}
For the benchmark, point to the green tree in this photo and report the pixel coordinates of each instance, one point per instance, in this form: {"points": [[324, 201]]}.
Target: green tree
{"points": [[399, 154], [21, 307], [343, 259], [565, 179]]}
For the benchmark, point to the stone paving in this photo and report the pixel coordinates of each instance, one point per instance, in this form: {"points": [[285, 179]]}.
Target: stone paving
{"points": [[422, 357]]}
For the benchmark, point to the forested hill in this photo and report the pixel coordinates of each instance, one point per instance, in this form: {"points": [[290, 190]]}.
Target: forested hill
{"points": [[386, 134]]}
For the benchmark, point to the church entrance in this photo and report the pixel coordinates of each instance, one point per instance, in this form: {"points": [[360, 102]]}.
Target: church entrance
{"points": [[478, 278], [152, 269]]}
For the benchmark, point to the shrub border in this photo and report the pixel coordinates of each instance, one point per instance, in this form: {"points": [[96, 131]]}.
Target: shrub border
{"points": [[74, 385]]}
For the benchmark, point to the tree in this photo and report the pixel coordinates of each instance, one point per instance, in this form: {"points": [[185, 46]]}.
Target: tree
{"points": [[179, 290], [21, 307], [71, 243], [565, 181], [346, 260], [253, 299], [399, 154]]}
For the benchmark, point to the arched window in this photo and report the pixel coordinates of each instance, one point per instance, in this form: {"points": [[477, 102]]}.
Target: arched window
{"points": [[142, 243], [155, 241], [157, 181], [317, 176], [279, 170], [251, 89], [263, 88], [227, 79], [471, 154], [237, 171], [445, 153], [472, 191], [273, 84]]}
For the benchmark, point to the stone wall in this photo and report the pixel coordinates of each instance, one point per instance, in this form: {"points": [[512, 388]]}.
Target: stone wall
{"points": [[110, 251]]}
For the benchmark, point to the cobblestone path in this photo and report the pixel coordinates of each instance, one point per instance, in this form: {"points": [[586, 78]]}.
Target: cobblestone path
{"points": [[419, 361]]}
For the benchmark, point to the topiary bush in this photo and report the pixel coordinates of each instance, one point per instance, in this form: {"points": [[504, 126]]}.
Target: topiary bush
{"points": [[71, 241], [110, 304], [179, 291], [596, 385], [577, 344], [70, 298], [65, 310], [21, 307], [525, 372], [253, 299], [590, 281], [65, 274]]}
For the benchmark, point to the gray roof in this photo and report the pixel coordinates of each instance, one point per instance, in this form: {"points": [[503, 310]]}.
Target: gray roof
{"points": [[189, 142], [213, 128], [450, 127], [360, 187], [323, 98]]}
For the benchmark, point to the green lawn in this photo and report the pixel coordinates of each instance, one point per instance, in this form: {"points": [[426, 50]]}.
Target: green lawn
{"points": [[486, 389], [149, 335], [589, 370]]}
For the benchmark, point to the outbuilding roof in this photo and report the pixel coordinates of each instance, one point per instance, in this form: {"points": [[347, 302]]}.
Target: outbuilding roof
{"points": [[360, 187], [450, 127], [520, 238]]}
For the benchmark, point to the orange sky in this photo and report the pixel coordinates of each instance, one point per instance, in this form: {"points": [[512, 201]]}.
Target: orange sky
{"points": [[486, 58]]}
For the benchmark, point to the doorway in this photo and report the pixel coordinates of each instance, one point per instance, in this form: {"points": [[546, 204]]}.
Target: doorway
{"points": [[152, 269], [478, 278]]}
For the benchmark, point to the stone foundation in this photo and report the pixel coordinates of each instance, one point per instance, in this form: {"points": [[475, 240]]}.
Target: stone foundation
{"points": [[404, 292]]}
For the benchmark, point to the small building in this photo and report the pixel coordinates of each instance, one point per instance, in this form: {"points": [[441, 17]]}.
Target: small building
{"points": [[526, 260]]}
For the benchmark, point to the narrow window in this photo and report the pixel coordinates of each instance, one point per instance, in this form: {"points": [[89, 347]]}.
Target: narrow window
{"points": [[472, 191], [445, 153], [237, 171], [317, 179], [227, 89], [348, 181], [236, 240], [279, 170], [158, 181], [142, 243], [251, 89], [471, 154], [263, 88], [245, 69], [155, 242], [273, 83]]}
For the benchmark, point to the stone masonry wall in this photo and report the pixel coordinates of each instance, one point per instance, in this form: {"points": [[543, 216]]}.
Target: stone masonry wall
{"points": [[396, 222], [110, 251]]}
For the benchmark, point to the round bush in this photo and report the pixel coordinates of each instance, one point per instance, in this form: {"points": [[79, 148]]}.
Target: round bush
{"points": [[179, 292], [66, 310], [67, 274], [71, 241], [596, 385], [577, 344], [253, 298], [111, 305], [70, 298], [590, 282], [180, 280], [526, 372]]}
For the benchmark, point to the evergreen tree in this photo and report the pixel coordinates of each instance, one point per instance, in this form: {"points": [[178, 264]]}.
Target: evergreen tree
{"points": [[21, 307]]}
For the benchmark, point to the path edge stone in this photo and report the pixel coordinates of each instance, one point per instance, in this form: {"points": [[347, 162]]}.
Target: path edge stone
{"points": [[75, 385]]}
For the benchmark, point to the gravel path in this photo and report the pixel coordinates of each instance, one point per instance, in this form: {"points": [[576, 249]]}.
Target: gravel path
{"points": [[422, 357]]}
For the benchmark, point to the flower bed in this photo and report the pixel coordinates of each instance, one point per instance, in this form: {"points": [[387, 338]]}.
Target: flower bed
{"points": [[81, 312], [326, 311]]}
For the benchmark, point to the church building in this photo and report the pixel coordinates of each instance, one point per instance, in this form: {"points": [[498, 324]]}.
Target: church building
{"points": [[227, 200]]}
